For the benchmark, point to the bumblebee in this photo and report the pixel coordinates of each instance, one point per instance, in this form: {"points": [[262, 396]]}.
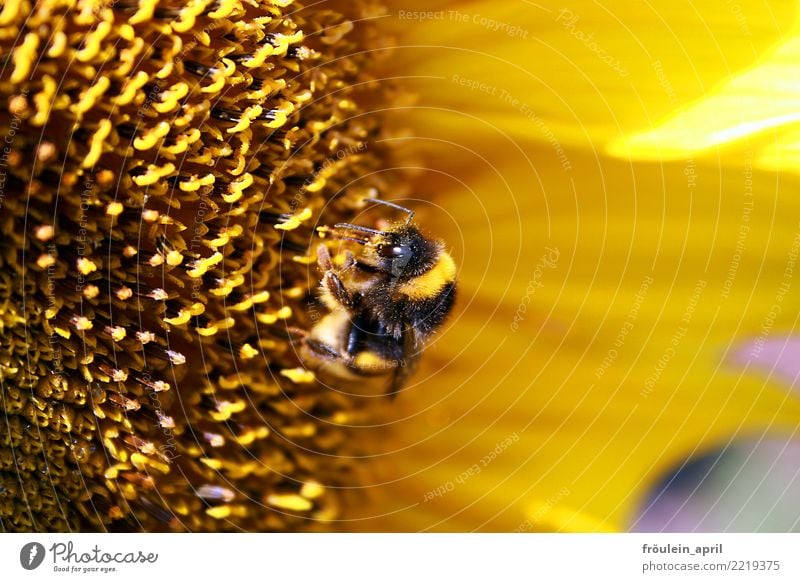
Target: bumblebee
{"points": [[384, 301]]}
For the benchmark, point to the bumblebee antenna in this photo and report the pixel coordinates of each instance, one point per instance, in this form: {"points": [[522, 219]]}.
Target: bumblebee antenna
{"points": [[393, 205], [357, 228]]}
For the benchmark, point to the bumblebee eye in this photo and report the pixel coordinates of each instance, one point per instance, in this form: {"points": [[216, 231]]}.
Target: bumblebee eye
{"points": [[393, 251]]}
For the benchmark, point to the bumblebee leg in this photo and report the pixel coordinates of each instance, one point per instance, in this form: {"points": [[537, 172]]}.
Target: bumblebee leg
{"points": [[349, 261], [296, 334], [406, 364], [323, 350], [335, 286], [331, 280], [399, 378], [324, 258]]}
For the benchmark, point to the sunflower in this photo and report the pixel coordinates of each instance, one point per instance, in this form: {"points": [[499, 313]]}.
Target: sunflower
{"points": [[606, 181]]}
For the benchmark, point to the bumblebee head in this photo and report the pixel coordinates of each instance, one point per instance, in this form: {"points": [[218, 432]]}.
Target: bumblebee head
{"points": [[399, 250], [402, 251]]}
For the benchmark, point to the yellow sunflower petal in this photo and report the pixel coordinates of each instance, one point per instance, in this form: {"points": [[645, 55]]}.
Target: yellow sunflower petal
{"points": [[600, 299], [755, 104]]}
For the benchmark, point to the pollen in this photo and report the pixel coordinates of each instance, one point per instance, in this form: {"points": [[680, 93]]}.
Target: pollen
{"points": [[86, 266], [116, 332], [114, 208], [290, 502], [294, 221], [299, 375], [312, 490], [45, 261], [44, 233]]}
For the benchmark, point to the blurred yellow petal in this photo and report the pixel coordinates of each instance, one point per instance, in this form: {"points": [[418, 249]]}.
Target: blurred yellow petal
{"points": [[758, 102], [600, 299], [591, 72]]}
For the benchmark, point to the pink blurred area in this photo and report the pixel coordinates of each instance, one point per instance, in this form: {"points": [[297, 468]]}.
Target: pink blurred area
{"points": [[777, 358]]}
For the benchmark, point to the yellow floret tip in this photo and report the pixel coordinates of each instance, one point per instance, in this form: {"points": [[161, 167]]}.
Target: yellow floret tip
{"points": [[299, 375]]}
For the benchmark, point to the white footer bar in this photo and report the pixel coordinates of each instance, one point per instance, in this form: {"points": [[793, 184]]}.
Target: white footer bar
{"points": [[390, 557]]}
